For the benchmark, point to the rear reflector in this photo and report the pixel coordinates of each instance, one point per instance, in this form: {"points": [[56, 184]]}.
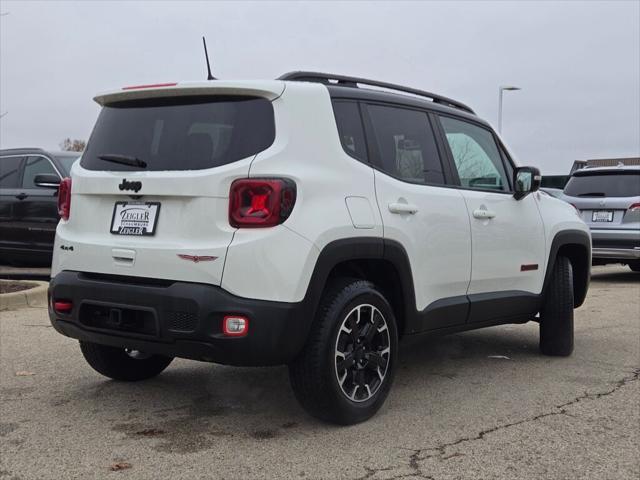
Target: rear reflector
{"points": [[62, 306], [235, 326], [64, 198], [152, 85], [259, 203]]}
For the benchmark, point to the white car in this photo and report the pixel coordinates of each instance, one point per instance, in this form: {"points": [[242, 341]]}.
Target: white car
{"points": [[307, 221]]}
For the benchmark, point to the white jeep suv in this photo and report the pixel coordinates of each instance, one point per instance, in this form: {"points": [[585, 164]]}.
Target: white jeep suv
{"points": [[305, 221]]}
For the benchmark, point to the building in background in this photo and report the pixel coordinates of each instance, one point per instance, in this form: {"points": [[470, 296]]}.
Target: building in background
{"points": [[604, 162]]}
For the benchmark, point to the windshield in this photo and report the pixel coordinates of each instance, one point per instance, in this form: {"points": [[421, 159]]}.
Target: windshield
{"points": [[604, 185], [66, 161], [180, 133]]}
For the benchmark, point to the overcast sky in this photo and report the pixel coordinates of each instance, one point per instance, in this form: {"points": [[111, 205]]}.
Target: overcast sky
{"points": [[578, 64]]}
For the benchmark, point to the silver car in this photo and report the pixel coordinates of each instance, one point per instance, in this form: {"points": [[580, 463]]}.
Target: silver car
{"points": [[608, 199]]}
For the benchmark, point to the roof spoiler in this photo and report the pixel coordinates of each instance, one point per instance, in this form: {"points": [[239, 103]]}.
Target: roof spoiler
{"points": [[270, 90]]}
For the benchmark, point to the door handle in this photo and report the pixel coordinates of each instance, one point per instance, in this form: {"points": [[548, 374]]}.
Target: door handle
{"points": [[403, 208], [21, 196], [483, 213]]}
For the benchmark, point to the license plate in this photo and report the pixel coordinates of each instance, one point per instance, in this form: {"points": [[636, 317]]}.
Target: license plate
{"points": [[135, 218], [602, 216]]}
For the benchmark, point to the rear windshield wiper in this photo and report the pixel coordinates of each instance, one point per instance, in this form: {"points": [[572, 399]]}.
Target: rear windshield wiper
{"points": [[123, 160], [592, 194]]}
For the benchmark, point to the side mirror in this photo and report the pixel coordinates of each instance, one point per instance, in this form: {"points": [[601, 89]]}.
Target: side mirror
{"points": [[47, 180], [525, 181]]}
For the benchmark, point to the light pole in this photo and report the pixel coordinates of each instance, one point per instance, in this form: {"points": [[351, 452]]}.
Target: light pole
{"points": [[500, 90]]}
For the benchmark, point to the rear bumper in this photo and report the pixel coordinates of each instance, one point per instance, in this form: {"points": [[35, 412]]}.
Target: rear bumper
{"points": [[617, 253], [177, 319], [616, 244]]}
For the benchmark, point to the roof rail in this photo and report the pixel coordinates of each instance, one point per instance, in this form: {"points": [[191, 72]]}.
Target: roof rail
{"points": [[346, 81], [21, 149]]}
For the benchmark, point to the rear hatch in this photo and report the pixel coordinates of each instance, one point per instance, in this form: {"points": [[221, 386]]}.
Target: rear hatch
{"points": [[606, 199], [150, 194]]}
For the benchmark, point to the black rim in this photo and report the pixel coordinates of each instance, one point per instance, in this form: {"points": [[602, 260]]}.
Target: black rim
{"points": [[362, 353]]}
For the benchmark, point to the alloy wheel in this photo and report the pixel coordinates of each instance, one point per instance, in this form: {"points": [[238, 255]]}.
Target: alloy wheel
{"points": [[362, 353]]}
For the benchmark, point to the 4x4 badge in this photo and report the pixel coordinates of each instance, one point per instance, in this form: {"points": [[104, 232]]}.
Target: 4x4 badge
{"points": [[197, 258], [125, 185]]}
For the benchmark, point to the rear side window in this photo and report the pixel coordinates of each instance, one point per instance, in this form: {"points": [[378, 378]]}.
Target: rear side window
{"points": [[350, 129], [406, 144], [10, 172], [181, 133], [604, 185], [476, 155], [36, 166]]}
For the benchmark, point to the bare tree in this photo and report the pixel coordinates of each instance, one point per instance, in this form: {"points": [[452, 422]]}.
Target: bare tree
{"points": [[471, 160], [74, 145]]}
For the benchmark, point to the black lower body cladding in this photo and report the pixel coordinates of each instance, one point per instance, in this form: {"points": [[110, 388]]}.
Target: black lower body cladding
{"points": [[177, 319]]}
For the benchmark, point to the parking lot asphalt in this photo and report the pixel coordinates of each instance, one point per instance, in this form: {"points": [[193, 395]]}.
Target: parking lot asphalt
{"points": [[477, 405]]}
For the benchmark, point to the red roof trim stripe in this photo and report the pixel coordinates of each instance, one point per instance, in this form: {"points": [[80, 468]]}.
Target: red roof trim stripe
{"points": [[153, 85]]}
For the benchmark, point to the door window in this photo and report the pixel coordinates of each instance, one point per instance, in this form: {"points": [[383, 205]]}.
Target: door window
{"points": [[350, 129], [10, 172], [406, 144], [476, 155], [36, 166]]}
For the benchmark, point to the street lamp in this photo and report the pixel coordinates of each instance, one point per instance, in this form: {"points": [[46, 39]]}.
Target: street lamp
{"points": [[500, 90]]}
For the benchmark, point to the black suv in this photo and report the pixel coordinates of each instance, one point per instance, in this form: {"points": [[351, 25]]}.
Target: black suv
{"points": [[29, 179]]}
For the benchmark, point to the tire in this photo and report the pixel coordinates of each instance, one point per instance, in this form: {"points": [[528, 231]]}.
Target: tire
{"points": [[323, 384], [635, 266], [556, 315], [120, 364]]}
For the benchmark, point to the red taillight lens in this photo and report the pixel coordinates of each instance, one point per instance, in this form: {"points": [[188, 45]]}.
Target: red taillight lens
{"points": [[64, 198], [257, 203], [635, 207]]}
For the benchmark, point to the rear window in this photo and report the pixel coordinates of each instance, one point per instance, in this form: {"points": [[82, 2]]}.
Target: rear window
{"points": [[181, 133], [66, 161], [604, 185]]}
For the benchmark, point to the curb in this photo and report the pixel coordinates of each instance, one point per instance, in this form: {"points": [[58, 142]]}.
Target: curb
{"points": [[34, 297]]}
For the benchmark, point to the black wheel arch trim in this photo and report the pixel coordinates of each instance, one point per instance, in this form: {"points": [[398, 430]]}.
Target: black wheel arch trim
{"points": [[354, 249], [577, 245], [334, 253]]}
